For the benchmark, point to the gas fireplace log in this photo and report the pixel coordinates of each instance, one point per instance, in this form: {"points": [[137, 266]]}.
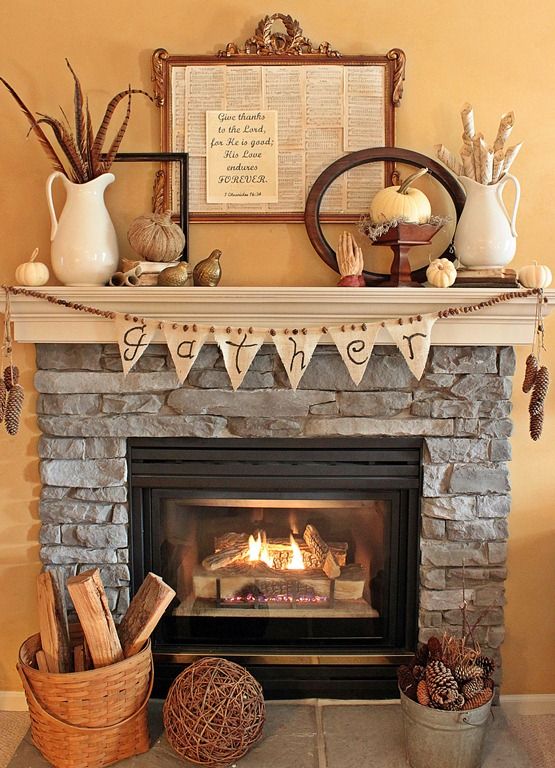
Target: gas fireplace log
{"points": [[54, 635], [318, 546], [91, 604], [224, 558], [144, 613]]}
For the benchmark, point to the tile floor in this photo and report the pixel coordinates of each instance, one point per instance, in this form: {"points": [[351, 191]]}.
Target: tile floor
{"points": [[318, 734]]}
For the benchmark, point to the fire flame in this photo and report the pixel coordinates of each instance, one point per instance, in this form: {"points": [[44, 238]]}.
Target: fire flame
{"points": [[258, 550], [296, 563]]}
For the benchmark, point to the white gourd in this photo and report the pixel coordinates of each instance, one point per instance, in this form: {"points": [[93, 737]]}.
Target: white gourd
{"points": [[535, 276], [401, 203], [155, 237], [32, 272], [441, 273]]}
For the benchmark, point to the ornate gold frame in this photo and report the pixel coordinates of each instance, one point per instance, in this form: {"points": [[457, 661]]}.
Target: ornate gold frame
{"points": [[268, 47]]}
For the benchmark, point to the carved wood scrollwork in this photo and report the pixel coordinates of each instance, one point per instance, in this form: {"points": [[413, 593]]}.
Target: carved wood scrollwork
{"points": [[398, 56], [159, 56], [266, 42]]}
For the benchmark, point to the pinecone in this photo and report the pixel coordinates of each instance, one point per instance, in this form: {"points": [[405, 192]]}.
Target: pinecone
{"points": [[443, 695], [418, 672], [486, 664], [541, 385], [467, 671], [456, 704], [536, 426], [479, 700], [434, 649], [530, 373], [14, 405], [3, 399], [422, 694], [441, 684], [407, 683], [11, 376], [421, 655], [472, 687]]}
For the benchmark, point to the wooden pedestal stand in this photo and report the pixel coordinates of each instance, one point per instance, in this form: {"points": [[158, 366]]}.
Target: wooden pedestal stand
{"points": [[401, 239]]}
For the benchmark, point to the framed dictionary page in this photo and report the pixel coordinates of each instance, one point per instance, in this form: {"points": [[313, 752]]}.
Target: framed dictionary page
{"points": [[261, 121]]}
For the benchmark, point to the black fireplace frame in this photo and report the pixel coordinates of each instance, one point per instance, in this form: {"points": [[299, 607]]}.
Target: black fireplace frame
{"points": [[391, 467]]}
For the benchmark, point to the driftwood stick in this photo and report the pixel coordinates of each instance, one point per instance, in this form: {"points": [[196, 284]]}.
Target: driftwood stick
{"points": [[91, 604], [54, 635], [144, 613]]}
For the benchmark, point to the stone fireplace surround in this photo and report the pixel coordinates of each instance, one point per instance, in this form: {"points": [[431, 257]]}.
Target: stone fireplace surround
{"points": [[461, 406]]}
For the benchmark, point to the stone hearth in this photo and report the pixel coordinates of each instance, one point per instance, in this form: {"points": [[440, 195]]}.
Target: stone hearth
{"points": [[461, 407]]}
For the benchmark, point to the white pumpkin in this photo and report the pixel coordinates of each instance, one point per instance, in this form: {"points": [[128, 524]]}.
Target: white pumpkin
{"points": [[32, 272], [401, 203], [535, 276], [441, 273]]}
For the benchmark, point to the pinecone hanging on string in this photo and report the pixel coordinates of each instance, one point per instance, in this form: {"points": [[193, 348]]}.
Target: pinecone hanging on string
{"points": [[3, 399], [14, 406], [537, 401], [530, 373], [479, 700], [486, 664], [11, 376], [422, 694], [536, 426], [472, 687]]}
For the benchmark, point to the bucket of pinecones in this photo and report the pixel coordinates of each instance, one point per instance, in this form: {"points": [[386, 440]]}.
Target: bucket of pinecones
{"points": [[446, 694]]}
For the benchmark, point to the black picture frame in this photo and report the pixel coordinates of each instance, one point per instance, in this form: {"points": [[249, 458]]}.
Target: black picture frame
{"points": [[168, 157]]}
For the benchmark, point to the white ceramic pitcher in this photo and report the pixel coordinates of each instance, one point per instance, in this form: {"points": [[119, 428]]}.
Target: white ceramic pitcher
{"points": [[84, 245], [486, 236]]}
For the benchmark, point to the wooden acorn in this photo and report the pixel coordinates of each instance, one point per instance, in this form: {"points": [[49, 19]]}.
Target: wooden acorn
{"points": [[208, 272]]}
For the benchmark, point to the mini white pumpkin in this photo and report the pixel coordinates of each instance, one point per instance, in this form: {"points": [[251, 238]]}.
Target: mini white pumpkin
{"points": [[401, 203], [32, 272], [535, 276], [441, 273]]}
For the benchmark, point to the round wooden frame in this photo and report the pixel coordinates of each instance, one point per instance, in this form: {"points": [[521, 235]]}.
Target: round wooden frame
{"points": [[362, 157]]}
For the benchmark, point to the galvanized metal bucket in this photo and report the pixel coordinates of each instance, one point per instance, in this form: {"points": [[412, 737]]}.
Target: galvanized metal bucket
{"points": [[437, 739]]}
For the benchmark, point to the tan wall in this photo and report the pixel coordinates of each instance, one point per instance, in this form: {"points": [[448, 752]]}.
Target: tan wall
{"points": [[482, 52]]}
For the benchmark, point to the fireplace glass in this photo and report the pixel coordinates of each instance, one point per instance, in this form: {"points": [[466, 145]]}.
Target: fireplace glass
{"points": [[298, 558]]}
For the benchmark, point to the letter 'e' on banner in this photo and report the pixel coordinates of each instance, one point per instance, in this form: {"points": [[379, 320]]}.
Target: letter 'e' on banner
{"points": [[355, 344]]}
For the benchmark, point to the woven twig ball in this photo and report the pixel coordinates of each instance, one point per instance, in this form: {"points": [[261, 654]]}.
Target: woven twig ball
{"points": [[214, 712]]}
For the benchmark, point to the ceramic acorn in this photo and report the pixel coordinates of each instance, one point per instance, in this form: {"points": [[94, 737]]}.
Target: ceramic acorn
{"points": [[401, 203], [32, 272], [208, 272], [441, 273]]}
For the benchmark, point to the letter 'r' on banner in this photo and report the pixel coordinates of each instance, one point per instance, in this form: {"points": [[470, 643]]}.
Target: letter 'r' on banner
{"points": [[239, 348], [134, 335], [413, 340], [296, 349], [184, 343], [355, 347]]}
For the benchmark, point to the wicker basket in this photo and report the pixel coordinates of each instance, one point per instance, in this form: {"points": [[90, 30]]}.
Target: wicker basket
{"points": [[88, 719]]}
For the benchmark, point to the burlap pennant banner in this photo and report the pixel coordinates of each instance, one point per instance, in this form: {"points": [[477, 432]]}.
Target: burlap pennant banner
{"points": [[134, 335], [239, 348], [295, 349], [413, 340], [355, 344], [184, 343]]}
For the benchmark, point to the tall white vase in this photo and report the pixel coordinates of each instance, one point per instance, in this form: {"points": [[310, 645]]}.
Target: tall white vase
{"points": [[84, 248], [486, 235]]}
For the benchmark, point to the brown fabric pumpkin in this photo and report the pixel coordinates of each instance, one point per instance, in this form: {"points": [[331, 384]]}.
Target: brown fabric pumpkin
{"points": [[155, 237]]}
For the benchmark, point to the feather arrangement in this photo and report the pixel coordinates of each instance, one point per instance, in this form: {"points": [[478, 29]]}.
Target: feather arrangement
{"points": [[79, 151]]}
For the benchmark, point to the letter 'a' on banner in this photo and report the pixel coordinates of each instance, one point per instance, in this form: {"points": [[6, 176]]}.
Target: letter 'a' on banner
{"points": [[355, 344], [413, 340], [239, 348], [296, 349], [134, 335], [184, 343]]}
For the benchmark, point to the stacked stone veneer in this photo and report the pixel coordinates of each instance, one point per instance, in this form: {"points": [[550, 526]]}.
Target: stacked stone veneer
{"points": [[461, 406]]}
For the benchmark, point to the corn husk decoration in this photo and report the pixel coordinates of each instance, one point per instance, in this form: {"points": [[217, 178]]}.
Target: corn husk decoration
{"points": [[479, 161], [79, 152]]}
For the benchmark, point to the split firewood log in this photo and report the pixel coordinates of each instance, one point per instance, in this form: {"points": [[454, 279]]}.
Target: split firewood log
{"points": [[319, 547], [144, 613]]}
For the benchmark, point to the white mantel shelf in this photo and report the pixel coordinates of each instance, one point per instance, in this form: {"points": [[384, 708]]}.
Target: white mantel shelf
{"points": [[509, 323]]}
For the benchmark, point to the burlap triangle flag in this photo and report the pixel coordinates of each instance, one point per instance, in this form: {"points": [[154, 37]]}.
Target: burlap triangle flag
{"points": [[355, 344], [295, 349], [134, 335], [239, 348], [184, 343], [413, 340]]}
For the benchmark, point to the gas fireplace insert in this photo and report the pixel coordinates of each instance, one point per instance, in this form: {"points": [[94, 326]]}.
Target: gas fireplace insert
{"points": [[295, 557]]}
